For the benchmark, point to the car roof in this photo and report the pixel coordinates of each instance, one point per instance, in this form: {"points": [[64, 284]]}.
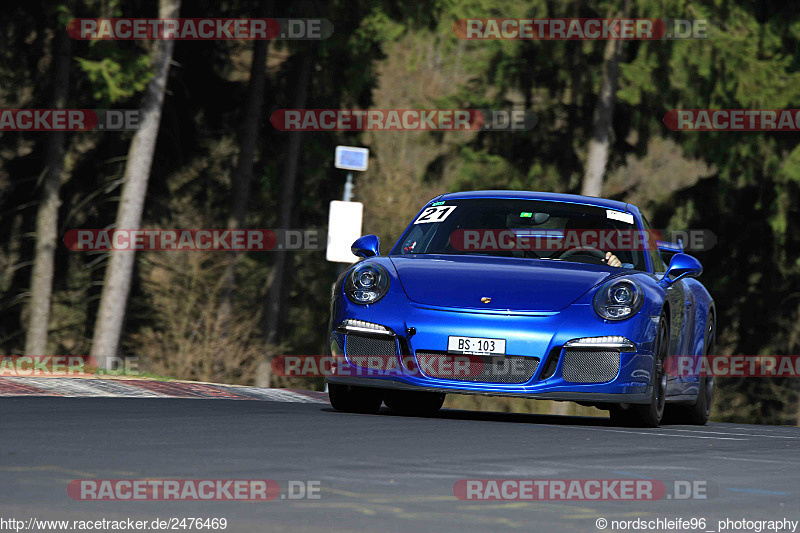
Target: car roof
{"points": [[545, 196]]}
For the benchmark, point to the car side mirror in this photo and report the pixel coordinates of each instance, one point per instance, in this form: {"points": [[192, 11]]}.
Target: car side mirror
{"points": [[681, 266], [367, 246]]}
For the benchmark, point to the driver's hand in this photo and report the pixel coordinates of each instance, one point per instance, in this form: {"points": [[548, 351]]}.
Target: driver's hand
{"points": [[612, 260]]}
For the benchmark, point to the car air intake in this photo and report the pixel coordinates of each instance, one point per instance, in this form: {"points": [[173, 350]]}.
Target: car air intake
{"points": [[590, 366], [477, 368], [551, 363], [361, 350]]}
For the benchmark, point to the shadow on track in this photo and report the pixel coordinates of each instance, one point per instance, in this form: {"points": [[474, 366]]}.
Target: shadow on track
{"points": [[493, 416]]}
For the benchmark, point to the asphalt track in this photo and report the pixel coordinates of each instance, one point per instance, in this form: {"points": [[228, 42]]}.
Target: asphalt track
{"points": [[382, 472]]}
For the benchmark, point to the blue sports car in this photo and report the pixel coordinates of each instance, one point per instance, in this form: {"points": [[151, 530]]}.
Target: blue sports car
{"points": [[527, 294]]}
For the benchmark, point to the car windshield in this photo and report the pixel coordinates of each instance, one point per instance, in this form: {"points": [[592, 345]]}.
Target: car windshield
{"points": [[545, 230]]}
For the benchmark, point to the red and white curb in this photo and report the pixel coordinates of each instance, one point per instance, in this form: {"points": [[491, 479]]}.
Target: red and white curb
{"points": [[143, 388]]}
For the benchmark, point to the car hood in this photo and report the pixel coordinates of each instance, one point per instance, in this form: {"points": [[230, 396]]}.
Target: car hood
{"points": [[512, 284]]}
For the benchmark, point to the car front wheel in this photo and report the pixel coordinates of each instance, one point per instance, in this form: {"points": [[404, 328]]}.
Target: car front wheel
{"points": [[649, 414]]}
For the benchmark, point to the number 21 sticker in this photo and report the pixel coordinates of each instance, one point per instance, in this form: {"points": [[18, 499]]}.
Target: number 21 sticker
{"points": [[435, 214]]}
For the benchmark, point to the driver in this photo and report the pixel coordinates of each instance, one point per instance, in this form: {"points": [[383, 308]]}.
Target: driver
{"points": [[612, 260], [579, 223]]}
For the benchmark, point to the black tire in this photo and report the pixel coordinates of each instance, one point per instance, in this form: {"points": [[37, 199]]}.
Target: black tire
{"points": [[649, 415], [698, 413], [352, 399], [414, 402]]}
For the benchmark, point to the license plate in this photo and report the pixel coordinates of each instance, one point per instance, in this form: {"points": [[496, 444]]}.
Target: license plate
{"points": [[476, 345]]}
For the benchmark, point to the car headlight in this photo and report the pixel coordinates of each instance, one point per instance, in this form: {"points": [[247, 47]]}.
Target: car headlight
{"points": [[618, 300], [366, 284]]}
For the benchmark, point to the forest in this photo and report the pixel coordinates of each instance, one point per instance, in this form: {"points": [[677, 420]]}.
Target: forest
{"points": [[211, 158]]}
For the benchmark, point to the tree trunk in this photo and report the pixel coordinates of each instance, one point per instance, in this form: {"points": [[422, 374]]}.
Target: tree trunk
{"points": [[47, 214], [600, 144], [274, 301], [273, 304], [243, 176], [113, 301]]}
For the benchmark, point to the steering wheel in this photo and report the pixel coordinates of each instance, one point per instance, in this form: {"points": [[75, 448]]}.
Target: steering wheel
{"points": [[584, 250]]}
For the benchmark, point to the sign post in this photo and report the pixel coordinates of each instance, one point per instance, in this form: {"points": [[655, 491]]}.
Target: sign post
{"points": [[345, 217]]}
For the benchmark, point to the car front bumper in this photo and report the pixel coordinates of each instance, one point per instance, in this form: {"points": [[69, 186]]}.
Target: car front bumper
{"points": [[551, 369]]}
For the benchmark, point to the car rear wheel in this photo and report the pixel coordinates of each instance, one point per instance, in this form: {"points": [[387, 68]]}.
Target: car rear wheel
{"points": [[414, 402], [352, 399], [698, 413], [649, 414]]}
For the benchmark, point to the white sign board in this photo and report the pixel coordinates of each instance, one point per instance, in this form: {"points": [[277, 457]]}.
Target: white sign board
{"points": [[351, 158], [344, 227]]}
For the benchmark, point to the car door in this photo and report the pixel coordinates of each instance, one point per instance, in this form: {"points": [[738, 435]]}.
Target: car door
{"points": [[676, 296], [676, 299]]}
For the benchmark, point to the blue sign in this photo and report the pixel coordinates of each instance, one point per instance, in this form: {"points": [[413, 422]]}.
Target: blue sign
{"points": [[351, 158]]}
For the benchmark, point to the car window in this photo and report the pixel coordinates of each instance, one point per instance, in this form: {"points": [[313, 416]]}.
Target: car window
{"points": [[653, 251], [534, 229]]}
